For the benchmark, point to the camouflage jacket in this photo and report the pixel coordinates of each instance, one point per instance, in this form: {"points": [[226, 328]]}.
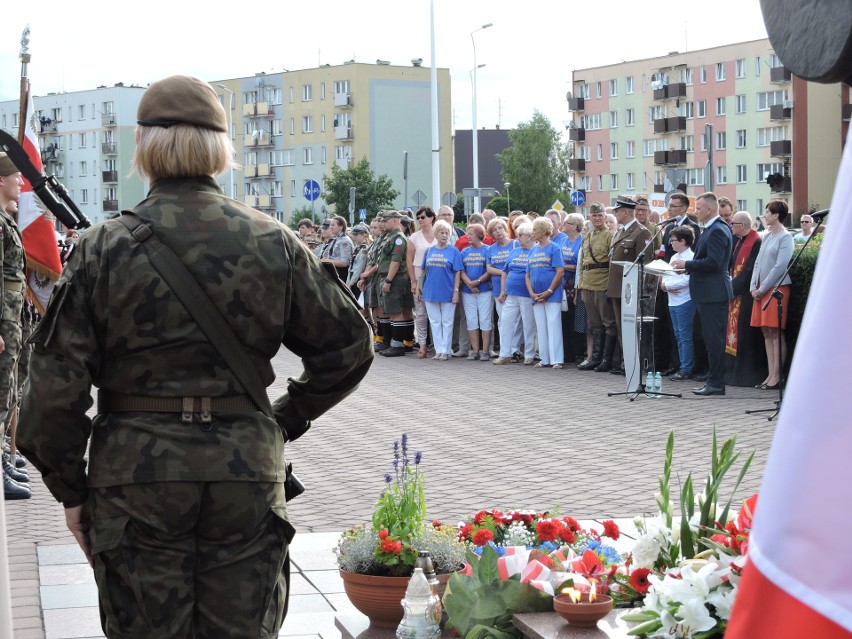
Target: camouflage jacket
{"points": [[113, 323], [14, 264]]}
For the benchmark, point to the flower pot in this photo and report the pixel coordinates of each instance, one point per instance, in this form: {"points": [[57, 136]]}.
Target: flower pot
{"points": [[376, 597], [584, 614]]}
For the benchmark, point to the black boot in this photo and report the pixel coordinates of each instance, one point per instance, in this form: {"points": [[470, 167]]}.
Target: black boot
{"points": [[606, 360], [14, 490], [14, 473], [597, 354]]}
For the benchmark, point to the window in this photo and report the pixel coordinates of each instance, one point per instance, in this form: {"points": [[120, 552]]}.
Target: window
{"points": [[613, 119], [687, 109], [278, 188], [720, 71], [600, 152], [613, 182], [742, 174], [84, 196], [341, 86], [325, 155], [703, 138], [656, 113], [721, 174], [308, 155], [82, 141], [756, 68], [741, 138], [759, 206], [686, 76], [740, 68], [307, 124], [276, 127], [81, 114], [695, 177], [598, 90], [765, 170], [721, 106], [628, 84], [343, 152], [629, 117], [701, 109], [703, 74], [687, 143], [292, 126], [307, 92], [631, 149], [631, 181], [322, 90], [654, 144], [274, 95], [83, 170], [276, 158], [768, 98], [613, 150], [287, 157], [771, 134], [774, 62], [292, 95], [741, 205], [741, 104], [613, 88], [590, 122], [721, 140], [600, 183], [586, 153], [292, 188]]}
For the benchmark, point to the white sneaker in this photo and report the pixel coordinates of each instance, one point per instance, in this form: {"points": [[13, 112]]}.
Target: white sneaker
{"points": [[460, 353]]}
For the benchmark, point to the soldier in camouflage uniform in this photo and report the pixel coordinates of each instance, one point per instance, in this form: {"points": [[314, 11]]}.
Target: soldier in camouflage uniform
{"points": [[367, 283], [183, 513], [393, 288], [12, 292]]}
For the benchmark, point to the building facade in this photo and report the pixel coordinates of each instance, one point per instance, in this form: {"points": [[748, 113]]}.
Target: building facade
{"points": [[732, 119]]}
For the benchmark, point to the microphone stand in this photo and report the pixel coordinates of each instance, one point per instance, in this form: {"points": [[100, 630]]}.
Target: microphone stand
{"points": [[778, 296], [642, 388]]}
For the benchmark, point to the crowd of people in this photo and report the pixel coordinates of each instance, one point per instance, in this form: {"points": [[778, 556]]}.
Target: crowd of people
{"points": [[545, 290]]}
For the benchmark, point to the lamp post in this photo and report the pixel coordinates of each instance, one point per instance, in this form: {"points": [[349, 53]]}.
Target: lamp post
{"points": [[230, 135], [508, 205], [476, 204]]}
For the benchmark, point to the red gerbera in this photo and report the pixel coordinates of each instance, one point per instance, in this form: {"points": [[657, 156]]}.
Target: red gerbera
{"points": [[383, 534], [547, 530], [464, 532], [482, 537], [611, 529], [639, 580]]}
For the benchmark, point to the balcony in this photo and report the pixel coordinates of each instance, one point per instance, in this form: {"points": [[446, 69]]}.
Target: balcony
{"points": [[257, 109], [576, 104], [343, 163], [109, 177], [51, 155], [780, 112], [780, 75], [108, 119], [257, 138], [257, 170], [110, 205], [47, 125], [343, 132], [258, 201], [577, 135], [782, 184], [659, 188], [667, 158], [847, 112], [577, 164], [669, 91], [342, 100], [108, 148], [670, 125], [781, 148]]}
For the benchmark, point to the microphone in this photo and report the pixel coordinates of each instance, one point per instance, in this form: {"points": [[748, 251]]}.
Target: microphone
{"points": [[671, 220], [819, 216]]}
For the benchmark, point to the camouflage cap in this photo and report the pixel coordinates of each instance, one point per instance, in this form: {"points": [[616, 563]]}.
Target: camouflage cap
{"points": [[390, 215], [6, 166], [181, 99]]}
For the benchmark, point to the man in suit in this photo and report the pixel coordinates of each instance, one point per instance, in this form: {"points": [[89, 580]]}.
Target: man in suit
{"points": [[710, 287], [630, 240]]}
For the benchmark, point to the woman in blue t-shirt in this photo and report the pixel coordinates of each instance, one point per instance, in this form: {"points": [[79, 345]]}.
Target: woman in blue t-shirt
{"points": [[545, 269], [498, 253], [442, 266], [517, 303], [476, 292]]}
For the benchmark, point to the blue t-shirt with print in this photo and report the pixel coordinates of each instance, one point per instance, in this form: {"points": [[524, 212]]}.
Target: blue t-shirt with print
{"points": [[475, 261], [516, 269], [570, 255], [441, 266], [542, 266], [497, 257]]}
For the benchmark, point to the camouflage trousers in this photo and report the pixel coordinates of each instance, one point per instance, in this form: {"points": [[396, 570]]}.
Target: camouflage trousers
{"points": [[11, 334], [191, 559]]}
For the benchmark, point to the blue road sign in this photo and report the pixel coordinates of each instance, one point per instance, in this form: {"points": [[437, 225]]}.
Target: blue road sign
{"points": [[578, 198], [312, 190], [362, 215]]}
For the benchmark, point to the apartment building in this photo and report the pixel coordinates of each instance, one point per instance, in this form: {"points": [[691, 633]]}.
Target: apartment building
{"points": [[732, 119]]}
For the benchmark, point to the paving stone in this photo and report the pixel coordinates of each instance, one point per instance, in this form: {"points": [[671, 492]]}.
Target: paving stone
{"points": [[64, 574], [64, 554], [72, 623], [69, 596]]}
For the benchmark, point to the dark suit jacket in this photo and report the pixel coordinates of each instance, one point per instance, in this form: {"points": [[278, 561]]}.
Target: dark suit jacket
{"points": [[667, 242], [626, 248], [709, 277]]}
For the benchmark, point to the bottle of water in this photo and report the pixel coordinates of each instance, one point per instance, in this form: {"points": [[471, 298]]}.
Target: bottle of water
{"points": [[658, 384], [649, 384]]}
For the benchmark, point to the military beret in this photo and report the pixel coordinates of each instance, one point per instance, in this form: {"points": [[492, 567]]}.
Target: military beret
{"points": [[7, 167], [360, 228], [391, 215], [624, 202], [597, 207], [181, 99]]}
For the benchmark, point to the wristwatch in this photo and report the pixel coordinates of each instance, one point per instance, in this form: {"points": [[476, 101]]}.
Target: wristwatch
{"points": [[550, 291], [387, 281]]}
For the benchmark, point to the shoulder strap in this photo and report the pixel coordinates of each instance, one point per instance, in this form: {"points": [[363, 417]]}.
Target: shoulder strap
{"points": [[203, 311]]}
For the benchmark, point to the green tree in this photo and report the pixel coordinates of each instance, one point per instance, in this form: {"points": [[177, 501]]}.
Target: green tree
{"points": [[536, 164], [301, 213], [371, 192], [499, 205]]}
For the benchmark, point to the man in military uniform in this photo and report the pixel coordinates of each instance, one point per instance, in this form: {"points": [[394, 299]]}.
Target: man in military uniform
{"points": [[643, 212], [181, 509], [393, 288], [592, 282], [632, 238], [367, 283], [12, 291]]}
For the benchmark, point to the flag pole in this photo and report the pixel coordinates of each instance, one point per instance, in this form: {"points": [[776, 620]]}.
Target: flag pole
{"points": [[25, 82]]}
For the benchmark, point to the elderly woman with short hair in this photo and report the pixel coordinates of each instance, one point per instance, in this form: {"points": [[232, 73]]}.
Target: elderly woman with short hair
{"points": [[498, 253], [476, 293], [515, 296], [545, 269], [442, 267]]}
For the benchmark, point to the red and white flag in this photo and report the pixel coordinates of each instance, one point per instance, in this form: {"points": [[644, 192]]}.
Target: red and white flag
{"points": [[43, 263], [798, 582]]}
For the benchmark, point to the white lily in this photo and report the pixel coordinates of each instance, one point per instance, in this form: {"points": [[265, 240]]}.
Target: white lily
{"points": [[695, 617], [722, 599]]}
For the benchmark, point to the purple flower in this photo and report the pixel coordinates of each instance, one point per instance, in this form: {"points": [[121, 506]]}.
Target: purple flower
{"points": [[417, 457], [388, 478], [404, 443]]}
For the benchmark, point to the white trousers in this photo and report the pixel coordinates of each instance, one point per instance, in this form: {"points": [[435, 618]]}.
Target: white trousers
{"points": [[548, 325], [478, 308], [441, 316], [517, 315]]}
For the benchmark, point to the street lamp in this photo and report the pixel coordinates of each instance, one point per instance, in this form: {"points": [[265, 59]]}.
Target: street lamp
{"points": [[476, 205], [230, 135], [508, 207]]}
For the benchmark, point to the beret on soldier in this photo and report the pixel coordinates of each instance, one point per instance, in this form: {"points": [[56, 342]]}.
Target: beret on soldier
{"points": [[390, 215], [7, 167], [181, 99]]}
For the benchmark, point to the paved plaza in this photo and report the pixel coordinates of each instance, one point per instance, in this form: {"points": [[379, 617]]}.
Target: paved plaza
{"points": [[491, 436]]}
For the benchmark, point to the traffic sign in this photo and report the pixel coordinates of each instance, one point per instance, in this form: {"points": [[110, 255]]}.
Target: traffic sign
{"points": [[362, 215], [578, 198], [558, 206], [449, 199], [419, 197], [311, 190]]}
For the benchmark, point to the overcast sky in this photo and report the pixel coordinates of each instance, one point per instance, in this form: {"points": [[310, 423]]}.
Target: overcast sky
{"points": [[529, 52]]}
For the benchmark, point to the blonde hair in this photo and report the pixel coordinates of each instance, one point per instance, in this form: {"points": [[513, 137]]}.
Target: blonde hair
{"points": [[543, 225], [493, 224], [181, 150], [441, 225], [576, 220]]}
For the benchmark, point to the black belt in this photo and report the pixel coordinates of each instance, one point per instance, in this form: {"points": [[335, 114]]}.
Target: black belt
{"points": [[111, 402], [590, 267]]}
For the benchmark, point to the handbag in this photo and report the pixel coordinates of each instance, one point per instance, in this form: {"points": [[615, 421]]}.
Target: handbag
{"points": [[212, 324]]}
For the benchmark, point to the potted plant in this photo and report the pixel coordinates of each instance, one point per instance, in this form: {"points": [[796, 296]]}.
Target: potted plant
{"points": [[376, 559]]}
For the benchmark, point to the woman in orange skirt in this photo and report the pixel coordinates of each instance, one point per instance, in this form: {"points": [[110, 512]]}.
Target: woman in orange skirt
{"points": [[769, 272]]}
